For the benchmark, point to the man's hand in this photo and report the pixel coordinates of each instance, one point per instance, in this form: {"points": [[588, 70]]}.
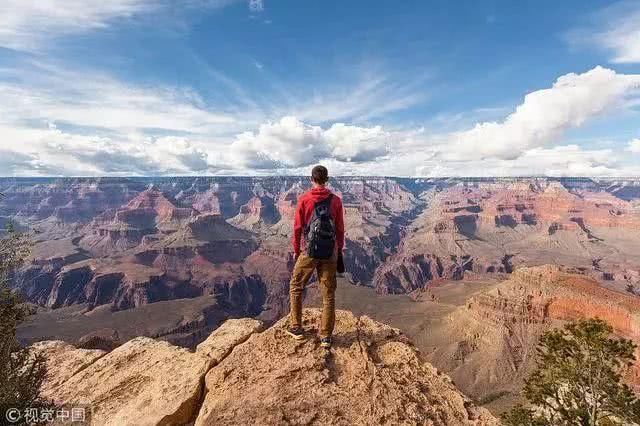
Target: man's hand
{"points": [[340, 268], [296, 256]]}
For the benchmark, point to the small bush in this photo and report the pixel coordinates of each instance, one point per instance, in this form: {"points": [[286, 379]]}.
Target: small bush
{"points": [[21, 371], [578, 379]]}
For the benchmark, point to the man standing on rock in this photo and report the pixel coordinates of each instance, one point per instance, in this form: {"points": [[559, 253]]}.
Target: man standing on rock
{"points": [[319, 219]]}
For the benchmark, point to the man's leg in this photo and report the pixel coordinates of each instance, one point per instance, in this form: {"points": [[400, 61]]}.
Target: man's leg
{"points": [[301, 273], [328, 283]]}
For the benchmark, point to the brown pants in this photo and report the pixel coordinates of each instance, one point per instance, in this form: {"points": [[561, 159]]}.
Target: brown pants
{"points": [[302, 272]]}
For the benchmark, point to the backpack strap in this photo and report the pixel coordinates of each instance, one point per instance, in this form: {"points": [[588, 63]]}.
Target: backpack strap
{"points": [[326, 201]]}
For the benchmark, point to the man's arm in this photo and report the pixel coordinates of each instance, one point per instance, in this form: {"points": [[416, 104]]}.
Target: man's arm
{"points": [[339, 226], [297, 228]]}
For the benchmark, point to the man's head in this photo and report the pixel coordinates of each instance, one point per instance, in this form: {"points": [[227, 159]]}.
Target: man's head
{"points": [[319, 175]]}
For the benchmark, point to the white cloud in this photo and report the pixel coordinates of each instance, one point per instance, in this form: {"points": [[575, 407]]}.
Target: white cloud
{"points": [[89, 100], [290, 143], [57, 122], [634, 146], [615, 29], [544, 115], [367, 98], [356, 144], [32, 24], [621, 34], [567, 160], [54, 152], [26, 24]]}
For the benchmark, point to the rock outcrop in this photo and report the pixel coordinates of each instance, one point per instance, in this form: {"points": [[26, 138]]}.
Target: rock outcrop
{"points": [[488, 345], [240, 375], [63, 362]]}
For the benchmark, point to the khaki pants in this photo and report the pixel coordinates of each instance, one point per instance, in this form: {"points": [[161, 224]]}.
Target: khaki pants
{"points": [[302, 272]]}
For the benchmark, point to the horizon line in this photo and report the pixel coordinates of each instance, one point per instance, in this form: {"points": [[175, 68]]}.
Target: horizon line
{"points": [[330, 177]]}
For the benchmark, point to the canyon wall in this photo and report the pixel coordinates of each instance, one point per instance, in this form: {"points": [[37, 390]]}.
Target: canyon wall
{"points": [[129, 242]]}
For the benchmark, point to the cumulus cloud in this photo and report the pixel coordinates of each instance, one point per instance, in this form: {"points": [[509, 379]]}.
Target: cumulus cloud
{"points": [[566, 160], [92, 122], [52, 151], [544, 115], [357, 144], [290, 143]]}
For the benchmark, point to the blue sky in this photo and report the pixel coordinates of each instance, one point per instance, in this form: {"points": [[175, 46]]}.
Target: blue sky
{"points": [[413, 88]]}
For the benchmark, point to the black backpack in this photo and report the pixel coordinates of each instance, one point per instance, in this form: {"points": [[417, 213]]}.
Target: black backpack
{"points": [[321, 231]]}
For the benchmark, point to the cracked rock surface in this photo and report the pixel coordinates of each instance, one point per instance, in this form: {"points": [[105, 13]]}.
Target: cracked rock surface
{"points": [[143, 382], [372, 376]]}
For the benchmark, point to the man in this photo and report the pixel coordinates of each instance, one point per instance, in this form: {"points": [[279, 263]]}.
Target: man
{"points": [[319, 219]]}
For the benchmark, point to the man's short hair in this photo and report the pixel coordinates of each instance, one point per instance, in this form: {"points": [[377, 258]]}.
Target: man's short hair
{"points": [[320, 175]]}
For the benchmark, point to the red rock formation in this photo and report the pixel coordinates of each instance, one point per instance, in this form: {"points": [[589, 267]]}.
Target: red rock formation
{"points": [[545, 295], [150, 212], [207, 202], [409, 231], [494, 225]]}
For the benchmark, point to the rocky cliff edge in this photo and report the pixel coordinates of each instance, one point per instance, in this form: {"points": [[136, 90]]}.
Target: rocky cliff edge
{"points": [[243, 375]]}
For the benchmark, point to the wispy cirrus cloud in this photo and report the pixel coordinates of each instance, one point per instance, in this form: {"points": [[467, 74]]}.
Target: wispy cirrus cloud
{"points": [[25, 25], [359, 100], [615, 29], [31, 25], [47, 93]]}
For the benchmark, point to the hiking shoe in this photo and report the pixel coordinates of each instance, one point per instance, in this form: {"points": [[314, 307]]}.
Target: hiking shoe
{"points": [[295, 332], [325, 342]]}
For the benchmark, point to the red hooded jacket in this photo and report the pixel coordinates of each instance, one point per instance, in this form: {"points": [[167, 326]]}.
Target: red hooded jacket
{"points": [[304, 211]]}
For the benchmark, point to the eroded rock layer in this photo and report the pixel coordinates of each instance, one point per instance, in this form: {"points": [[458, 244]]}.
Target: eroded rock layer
{"points": [[240, 375], [125, 243]]}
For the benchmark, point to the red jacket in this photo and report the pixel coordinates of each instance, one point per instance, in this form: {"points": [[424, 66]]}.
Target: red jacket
{"points": [[304, 211]]}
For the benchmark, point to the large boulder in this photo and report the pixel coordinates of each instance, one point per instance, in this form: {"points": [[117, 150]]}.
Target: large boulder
{"points": [[63, 361], [143, 382], [373, 375]]}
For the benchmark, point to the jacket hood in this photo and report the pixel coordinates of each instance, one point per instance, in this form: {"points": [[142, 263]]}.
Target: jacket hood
{"points": [[319, 193]]}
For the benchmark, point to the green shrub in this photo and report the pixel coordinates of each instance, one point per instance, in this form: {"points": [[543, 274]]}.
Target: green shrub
{"points": [[21, 371], [578, 379]]}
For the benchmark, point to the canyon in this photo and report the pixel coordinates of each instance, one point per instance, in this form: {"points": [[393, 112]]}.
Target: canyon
{"points": [[129, 242], [473, 269]]}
